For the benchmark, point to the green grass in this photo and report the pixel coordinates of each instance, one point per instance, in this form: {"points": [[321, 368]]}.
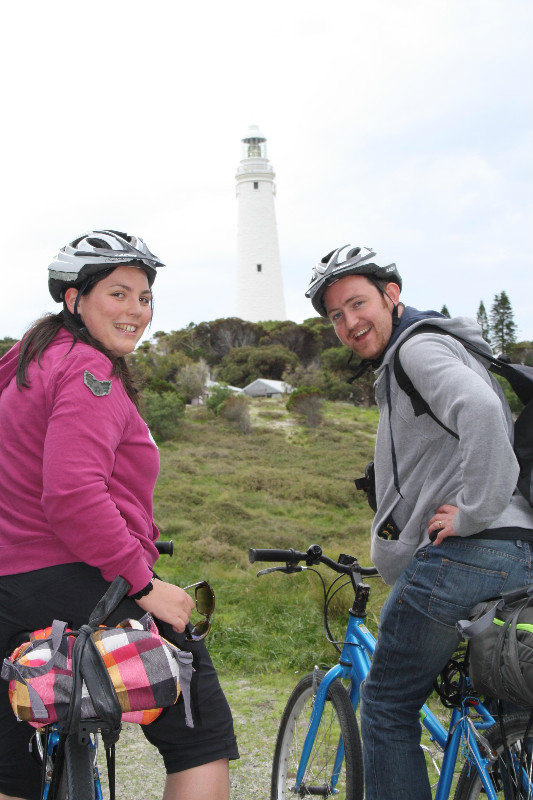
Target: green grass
{"points": [[282, 485]]}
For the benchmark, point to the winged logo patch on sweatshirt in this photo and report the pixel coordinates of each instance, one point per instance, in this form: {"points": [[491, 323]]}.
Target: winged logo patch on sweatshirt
{"points": [[98, 388]]}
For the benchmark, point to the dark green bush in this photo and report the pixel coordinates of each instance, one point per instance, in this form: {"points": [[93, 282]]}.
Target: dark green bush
{"points": [[218, 397], [160, 386], [515, 404], [162, 413]]}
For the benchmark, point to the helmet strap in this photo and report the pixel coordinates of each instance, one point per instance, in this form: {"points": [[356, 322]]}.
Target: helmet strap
{"points": [[360, 370], [81, 290], [395, 316]]}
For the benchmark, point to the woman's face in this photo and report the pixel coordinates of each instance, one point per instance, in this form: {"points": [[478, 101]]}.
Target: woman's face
{"points": [[117, 309]]}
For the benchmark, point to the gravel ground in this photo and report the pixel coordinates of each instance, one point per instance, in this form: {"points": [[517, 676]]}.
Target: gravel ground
{"points": [[257, 707]]}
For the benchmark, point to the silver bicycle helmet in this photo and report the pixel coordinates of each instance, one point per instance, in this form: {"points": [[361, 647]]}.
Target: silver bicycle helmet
{"points": [[95, 252], [348, 260]]}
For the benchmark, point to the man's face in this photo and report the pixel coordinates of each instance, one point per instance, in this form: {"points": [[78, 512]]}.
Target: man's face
{"points": [[361, 315]]}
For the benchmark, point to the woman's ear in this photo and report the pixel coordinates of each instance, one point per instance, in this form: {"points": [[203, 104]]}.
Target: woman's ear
{"points": [[70, 298]]}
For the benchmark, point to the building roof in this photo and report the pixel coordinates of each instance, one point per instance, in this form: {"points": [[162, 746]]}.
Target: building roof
{"points": [[262, 386], [209, 384]]}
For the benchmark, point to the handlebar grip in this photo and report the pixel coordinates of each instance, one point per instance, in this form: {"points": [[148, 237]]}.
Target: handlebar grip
{"points": [[275, 555], [165, 548]]}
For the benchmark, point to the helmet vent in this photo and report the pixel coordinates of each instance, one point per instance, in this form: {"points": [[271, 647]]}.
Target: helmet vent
{"points": [[353, 252], [97, 243], [125, 236], [326, 259]]}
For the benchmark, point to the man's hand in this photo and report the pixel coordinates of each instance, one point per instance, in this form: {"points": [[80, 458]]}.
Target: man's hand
{"points": [[441, 523], [168, 603]]}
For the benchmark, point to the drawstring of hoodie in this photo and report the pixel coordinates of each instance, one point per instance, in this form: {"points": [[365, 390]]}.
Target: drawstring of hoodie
{"points": [[392, 447], [361, 369]]}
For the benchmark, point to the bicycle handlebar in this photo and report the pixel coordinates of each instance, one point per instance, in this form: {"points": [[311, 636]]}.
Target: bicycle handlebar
{"points": [[313, 555], [276, 555], [165, 548]]}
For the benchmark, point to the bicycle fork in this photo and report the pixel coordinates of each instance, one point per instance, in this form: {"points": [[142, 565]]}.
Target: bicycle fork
{"points": [[320, 692]]}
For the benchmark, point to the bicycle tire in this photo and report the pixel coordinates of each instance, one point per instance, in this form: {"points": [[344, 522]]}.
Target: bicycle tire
{"points": [[469, 786], [79, 769], [338, 718]]}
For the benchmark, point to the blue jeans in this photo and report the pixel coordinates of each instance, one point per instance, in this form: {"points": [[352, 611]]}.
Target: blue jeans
{"points": [[416, 639]]}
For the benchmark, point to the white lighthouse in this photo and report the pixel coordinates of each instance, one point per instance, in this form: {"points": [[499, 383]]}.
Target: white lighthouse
{"points": [[259, 284]]}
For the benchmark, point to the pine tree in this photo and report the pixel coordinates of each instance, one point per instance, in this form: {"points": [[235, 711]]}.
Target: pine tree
{"points": [[502, 325], [444, 310], [483, 321]]}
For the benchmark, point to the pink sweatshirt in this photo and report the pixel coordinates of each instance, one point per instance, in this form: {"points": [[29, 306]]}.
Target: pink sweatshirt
{"points": [[77, 468]]}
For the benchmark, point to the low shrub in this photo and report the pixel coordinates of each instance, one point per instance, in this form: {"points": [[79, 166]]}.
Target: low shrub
{"points": [[218, 397], [236, 410], [162, 413], [307, 403]]}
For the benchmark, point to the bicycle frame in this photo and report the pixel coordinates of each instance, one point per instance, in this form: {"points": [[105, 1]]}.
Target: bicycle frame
{"points": [[50, 739], [353, 665], [51, 750]]}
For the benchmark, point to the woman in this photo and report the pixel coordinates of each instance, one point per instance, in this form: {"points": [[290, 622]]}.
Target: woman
{"points": [[77, 472]]}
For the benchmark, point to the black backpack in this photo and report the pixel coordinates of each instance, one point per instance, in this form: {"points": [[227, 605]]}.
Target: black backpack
{"points": [[520, 378], [500, 646]]}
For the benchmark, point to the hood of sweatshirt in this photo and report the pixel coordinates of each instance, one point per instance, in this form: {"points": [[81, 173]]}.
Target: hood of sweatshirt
{"points": [[463, 327]]}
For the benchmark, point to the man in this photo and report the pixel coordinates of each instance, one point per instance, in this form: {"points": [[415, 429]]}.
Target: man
{"points": [[457, 485]]}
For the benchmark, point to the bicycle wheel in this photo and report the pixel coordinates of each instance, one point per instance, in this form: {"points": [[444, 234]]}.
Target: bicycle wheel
{"points": [[79, 769], [506, 781], [338, 719]]}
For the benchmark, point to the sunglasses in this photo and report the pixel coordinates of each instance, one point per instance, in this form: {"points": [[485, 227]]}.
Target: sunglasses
{"points": [[205, 605]]}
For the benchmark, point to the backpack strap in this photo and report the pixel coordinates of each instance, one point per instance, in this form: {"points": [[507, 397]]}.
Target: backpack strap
{"points": [[520, 376], [420, 406]]}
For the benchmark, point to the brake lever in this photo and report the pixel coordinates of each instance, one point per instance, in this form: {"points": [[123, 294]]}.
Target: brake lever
{"points": [[287, 570]]}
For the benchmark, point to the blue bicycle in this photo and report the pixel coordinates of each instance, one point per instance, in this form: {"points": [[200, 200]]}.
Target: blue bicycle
{"points": [[318, 750]]}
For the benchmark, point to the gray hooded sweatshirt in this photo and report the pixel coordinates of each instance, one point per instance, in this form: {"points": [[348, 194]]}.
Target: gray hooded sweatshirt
{"points": [[477, 473]]}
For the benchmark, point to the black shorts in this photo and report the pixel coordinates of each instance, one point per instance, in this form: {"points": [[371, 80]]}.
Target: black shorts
{"points": [[30, 601]]}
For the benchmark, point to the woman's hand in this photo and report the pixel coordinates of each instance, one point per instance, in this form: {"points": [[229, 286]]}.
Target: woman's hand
{"points": [[441, 523], [168, 603]]}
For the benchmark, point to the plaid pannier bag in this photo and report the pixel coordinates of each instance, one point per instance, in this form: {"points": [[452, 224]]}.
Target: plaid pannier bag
{"points": [[128, 671]]}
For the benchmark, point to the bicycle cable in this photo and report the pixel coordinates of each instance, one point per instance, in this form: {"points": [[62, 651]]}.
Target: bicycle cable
{"points": [[328, 597]]}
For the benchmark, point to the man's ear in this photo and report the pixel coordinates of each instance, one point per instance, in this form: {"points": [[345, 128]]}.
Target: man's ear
{"points": [[70, 298], [393, 290]]}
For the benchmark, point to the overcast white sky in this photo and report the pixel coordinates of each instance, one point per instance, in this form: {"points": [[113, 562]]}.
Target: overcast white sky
{"points": [[401, 124]]}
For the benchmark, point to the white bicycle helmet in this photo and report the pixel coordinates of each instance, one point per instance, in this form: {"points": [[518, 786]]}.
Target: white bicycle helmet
{"points": [[348, 260], [96, 252]]}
